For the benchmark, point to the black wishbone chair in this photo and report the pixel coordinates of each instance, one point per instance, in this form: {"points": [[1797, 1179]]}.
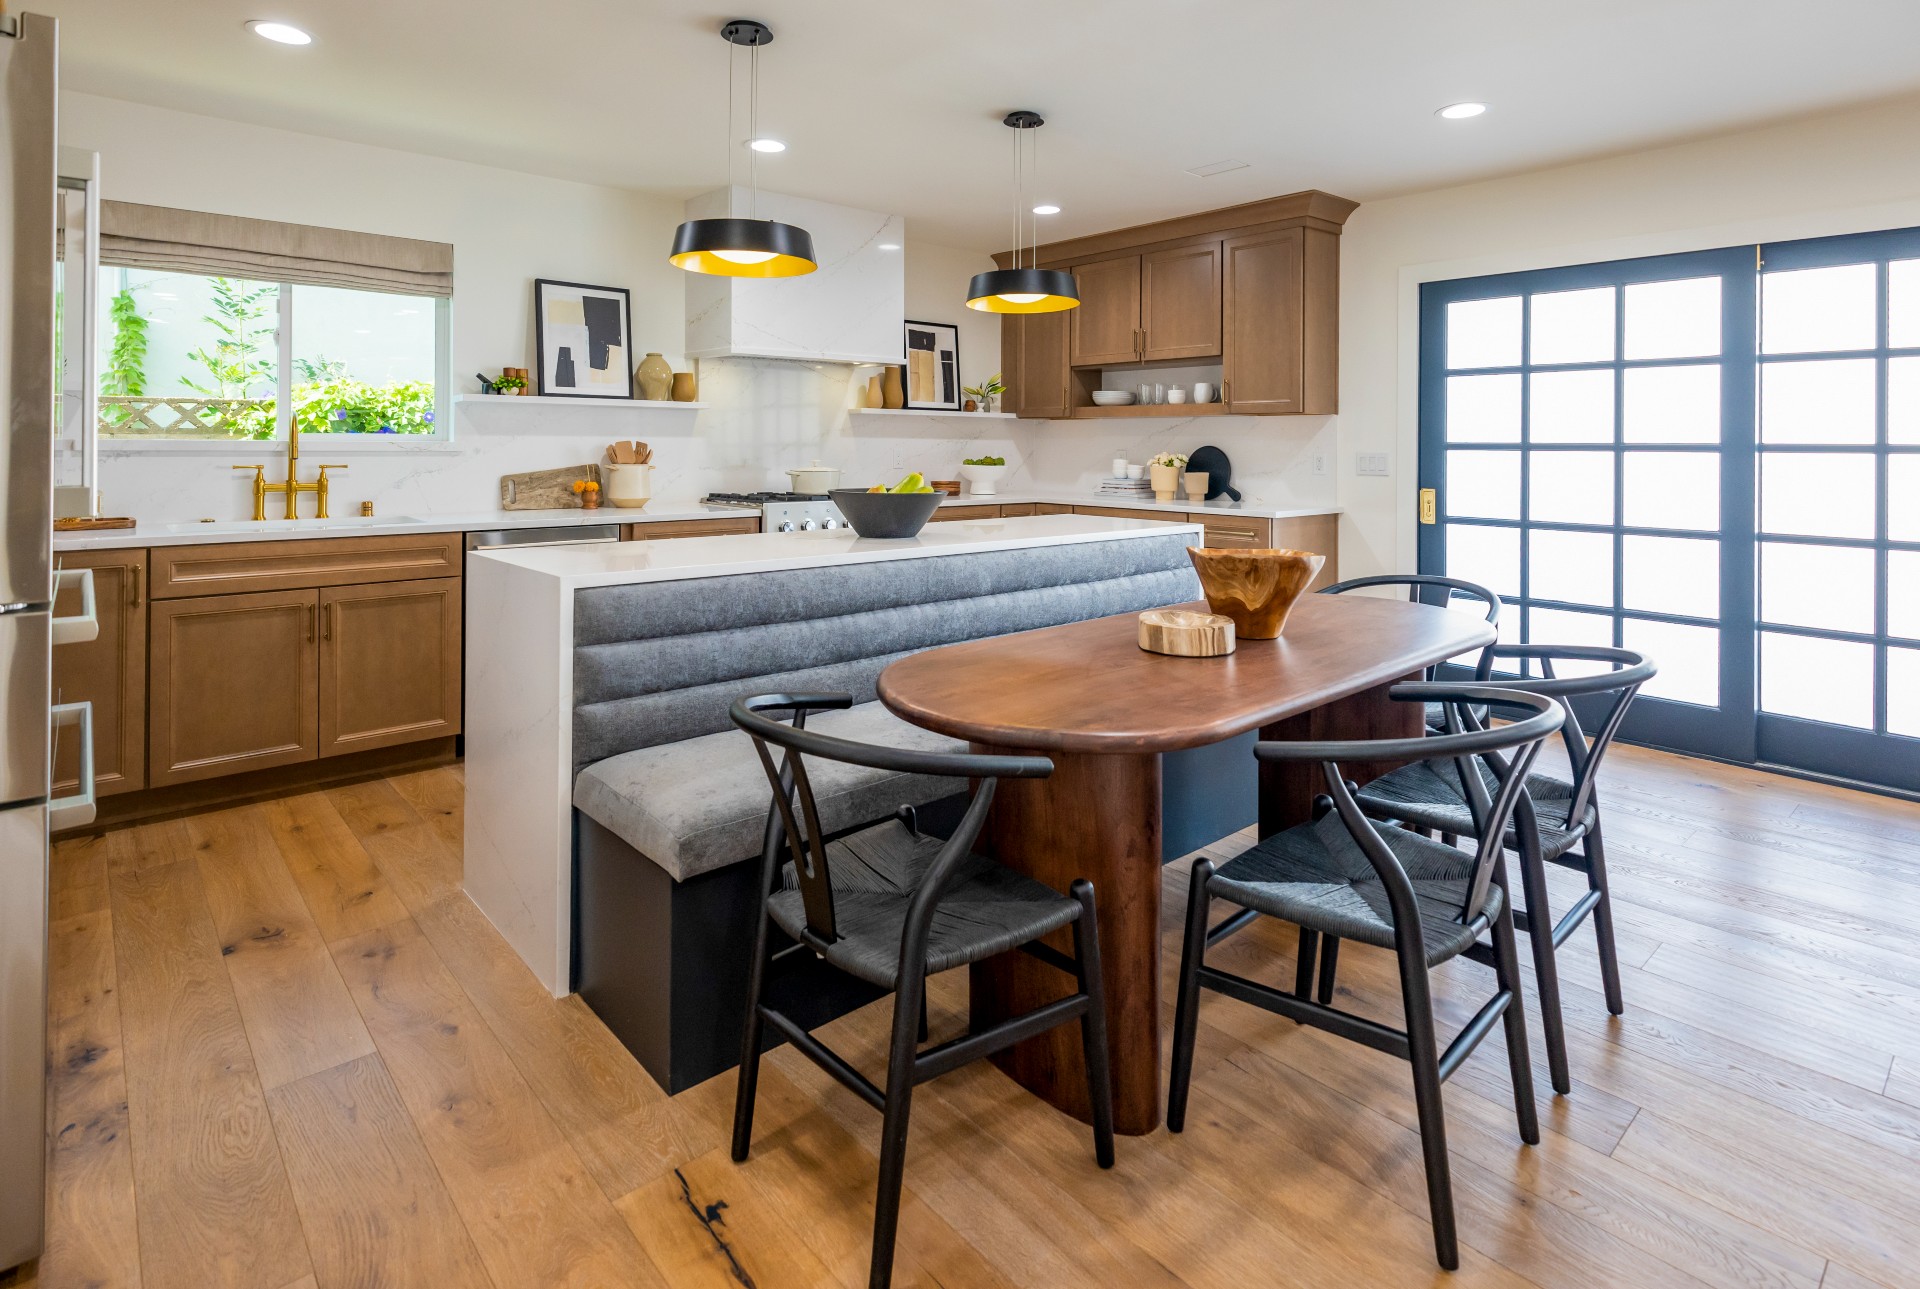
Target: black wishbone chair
{"points": [[1344, 876], [1440, 592], [892, 907], [1557, 821]]}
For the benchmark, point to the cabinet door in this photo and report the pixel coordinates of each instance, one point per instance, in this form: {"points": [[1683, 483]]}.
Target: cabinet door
{"points": [[1106, 326], [1263, 361], [1180, 302], [234, 681], [109, 671], [1317, 533], [389, 664], [1040, 378]]}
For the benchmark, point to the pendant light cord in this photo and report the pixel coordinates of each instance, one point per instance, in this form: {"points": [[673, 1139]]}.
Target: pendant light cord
{"points": [[753, 127], [727, 143]]}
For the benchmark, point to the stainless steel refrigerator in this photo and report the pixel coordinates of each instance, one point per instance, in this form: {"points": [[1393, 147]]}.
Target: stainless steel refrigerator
{"points": [[28, 81]]}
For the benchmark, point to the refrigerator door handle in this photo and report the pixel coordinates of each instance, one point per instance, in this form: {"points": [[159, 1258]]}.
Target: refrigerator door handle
{"points": [[76, 809], [76, 628]]}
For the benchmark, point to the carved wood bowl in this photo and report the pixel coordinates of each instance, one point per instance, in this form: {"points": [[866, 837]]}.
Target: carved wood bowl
{"points": [[1255, 588]]}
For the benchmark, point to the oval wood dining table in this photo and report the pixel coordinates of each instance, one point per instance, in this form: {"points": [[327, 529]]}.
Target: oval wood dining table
{"points": [[1103, 709]]}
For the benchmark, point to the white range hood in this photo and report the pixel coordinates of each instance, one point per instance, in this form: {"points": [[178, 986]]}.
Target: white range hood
{"points": [[849, 310]]}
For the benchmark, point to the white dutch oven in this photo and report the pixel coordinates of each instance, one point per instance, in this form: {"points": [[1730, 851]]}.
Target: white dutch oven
{"points": [[815, 478]]}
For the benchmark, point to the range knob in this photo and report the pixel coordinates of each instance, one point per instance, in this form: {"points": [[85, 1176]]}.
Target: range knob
{"points": [[831, 523], [786, 525], [807, 525]]}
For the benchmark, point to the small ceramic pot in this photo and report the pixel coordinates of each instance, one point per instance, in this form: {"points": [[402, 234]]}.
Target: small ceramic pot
{"points": [[982, 480], [686, 387], [654, 376], [1166, 482], [1197, 482], [629, 486]]}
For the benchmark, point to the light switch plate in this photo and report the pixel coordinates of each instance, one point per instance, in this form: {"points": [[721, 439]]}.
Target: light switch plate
{"points": [[1370, 463]]}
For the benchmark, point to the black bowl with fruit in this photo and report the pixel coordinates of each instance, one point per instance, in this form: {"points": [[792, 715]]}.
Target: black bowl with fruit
{"points": [[889, 513]]}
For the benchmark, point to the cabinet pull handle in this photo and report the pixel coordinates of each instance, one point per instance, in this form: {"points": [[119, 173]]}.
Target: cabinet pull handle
{"points": [[133, 586], [1226, 391], [327, 629], [312, 613]]}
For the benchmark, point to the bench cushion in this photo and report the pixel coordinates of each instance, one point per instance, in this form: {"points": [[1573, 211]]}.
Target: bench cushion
{"points": [[701, 803]]}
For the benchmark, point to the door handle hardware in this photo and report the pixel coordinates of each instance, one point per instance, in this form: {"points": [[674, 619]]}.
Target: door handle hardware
{"points": [[1429, 506]]}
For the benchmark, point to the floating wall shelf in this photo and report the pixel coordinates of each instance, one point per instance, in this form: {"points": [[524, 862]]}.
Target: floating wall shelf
{"points": [[923, 411], [552, 400]]}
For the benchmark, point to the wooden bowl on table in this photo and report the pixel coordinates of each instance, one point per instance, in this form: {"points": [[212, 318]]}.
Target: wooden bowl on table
{"points": [[1255, 588]]}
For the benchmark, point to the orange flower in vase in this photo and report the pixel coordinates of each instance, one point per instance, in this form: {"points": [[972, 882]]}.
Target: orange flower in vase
{"points": [[589, 493]]}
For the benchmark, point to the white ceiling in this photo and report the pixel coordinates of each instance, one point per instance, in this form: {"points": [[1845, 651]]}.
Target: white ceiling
{"points": [[895, 105]]}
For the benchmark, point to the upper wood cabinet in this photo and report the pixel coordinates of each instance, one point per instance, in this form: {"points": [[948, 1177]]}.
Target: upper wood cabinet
{"points": [[1180, 302], [109, 671], [235, 684], [1106, 326], [1255, 287], [389, 664]]}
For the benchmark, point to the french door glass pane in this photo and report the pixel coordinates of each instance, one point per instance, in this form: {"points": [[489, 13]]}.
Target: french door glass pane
{"points": [[1903, 594], [1486, 555], [1483, 485], [1671, 490], [1826, 587], [1903, 304], [1817, 679], [1572, 327], [1819, 310], [1483, 409], [1672, 404], [1570, 487], [1562, 626], [1571, 406], [1903, 496], [1832, 401], [1679, 575], [1817, 494], [1679, 319], [1903, 692], [1689, 659], [1483, 333], [1574, 568], [1903, 400]]}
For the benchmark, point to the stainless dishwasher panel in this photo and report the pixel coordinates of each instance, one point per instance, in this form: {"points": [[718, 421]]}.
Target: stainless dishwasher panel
{"points": [[580, 535]]}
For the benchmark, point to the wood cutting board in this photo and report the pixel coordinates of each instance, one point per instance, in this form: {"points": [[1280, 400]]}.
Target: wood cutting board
{"points": [[546, 489]]}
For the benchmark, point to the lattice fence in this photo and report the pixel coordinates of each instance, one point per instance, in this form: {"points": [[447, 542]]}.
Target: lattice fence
{"points": [[124, 416]]}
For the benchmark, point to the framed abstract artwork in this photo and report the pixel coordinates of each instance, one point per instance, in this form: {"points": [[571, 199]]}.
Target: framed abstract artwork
{"points": [[584, 338], [933, 366]]}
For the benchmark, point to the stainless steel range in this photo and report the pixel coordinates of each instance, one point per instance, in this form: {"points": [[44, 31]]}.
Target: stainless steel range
{"points": [[783, 512]]}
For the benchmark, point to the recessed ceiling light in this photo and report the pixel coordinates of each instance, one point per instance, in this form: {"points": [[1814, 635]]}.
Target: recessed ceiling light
{"points": [[1046, 210], [1461, 111], [279, 33], [889, 246], [766, 145]]}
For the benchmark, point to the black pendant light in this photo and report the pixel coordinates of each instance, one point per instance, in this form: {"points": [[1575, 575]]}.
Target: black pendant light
{"points": [[1031, 289], [749, 247]]}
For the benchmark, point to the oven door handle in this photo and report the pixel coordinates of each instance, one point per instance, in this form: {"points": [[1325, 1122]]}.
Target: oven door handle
{"points": [[76, 809]]}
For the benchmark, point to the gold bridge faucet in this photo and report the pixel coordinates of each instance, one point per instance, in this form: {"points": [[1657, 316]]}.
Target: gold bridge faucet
{"points": [[292, 487]]}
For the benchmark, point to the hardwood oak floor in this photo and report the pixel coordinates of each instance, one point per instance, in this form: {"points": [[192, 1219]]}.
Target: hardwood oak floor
{"points": [[287, 1051]]}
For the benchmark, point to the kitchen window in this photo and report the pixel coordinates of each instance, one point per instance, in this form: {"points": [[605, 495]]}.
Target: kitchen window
{"points": [[218, 328]]}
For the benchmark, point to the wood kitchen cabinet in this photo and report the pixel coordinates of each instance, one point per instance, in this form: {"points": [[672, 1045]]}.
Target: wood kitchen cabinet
{"points": [[1180, 302], [1034, 354], [1106, 326], [234, 683], [109, 671], [389, 664], [666, 529], [1281, 323]]}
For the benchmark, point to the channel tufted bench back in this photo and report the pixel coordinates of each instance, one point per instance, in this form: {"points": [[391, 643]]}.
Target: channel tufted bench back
{"points": [[660, 662]]}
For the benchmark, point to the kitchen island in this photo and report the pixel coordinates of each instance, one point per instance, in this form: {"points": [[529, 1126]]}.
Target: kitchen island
{"points": [[534, 723]]}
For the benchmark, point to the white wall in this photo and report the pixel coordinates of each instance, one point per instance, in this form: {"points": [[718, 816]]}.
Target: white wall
{"points": [[1840, 173]]}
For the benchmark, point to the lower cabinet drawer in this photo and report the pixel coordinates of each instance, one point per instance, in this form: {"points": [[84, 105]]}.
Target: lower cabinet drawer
{"points": [[667, 528], [1240, 533], [233, 567], [946, 514]]}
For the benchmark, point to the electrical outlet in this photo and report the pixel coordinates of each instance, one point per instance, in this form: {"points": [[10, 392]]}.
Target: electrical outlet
{"points": [[1370, 463], [1320, 464]]}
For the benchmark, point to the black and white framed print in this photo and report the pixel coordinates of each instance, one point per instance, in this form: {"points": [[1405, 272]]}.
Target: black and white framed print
{"points": [[584, 338], [933, 366]]}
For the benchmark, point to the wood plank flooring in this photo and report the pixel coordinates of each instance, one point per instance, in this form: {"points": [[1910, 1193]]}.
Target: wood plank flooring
{"points": [[288, 1051]]}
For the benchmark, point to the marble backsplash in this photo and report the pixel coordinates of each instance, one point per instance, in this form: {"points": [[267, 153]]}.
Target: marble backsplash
{"points": [[762, 417]]}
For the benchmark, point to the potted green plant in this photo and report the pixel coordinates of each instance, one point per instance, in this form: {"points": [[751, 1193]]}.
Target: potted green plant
{"points": [[1166, 471], [986, 391], [508, 383]]}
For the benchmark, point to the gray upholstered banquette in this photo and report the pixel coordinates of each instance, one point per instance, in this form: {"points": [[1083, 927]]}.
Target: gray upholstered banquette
{"points": [[670, 798]]}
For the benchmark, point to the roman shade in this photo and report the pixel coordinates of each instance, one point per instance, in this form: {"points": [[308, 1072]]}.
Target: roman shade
{"points": [[265, 250]]}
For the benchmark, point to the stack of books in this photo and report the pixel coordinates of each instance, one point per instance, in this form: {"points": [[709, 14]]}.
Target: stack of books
{"points": [[1126, 488]]}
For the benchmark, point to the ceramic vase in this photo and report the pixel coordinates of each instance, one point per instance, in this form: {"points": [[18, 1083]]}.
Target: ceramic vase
{"points": [[1166, 482], [629, 486], [876, 396], [654, 375], [686, 387], [892, 390]]}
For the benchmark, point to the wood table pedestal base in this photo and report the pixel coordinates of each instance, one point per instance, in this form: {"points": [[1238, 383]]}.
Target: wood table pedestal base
{"points": [[1097, 817]]}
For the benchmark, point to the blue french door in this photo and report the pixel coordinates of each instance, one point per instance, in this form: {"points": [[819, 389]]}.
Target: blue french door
{"points": [[1713, 458]]}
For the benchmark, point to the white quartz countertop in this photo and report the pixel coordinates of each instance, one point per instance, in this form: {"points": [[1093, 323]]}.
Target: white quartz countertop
{"points": [[574, 567], [249, 530]]}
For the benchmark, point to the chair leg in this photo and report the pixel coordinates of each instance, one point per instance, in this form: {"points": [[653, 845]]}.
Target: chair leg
{"points": [[1093, 1025], [1304, 960], [1506, 966], [895, 1114], [1533, 876], [1329, 963], [1423, 1055], [1186, 1012], [1449, 839], [1603, 920], [749, 1082], [925, 1029]]}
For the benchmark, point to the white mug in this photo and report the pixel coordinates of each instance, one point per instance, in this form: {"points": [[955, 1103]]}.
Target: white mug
{"points": [[1136, 471], [1119, 467], [1176, 395], [1202, 392]]}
